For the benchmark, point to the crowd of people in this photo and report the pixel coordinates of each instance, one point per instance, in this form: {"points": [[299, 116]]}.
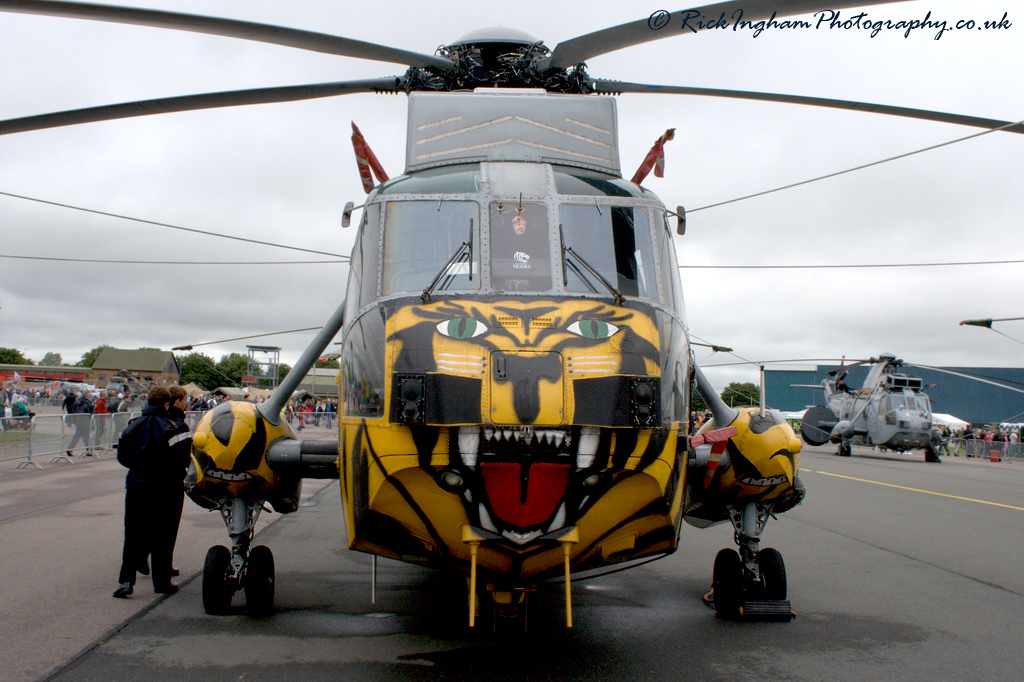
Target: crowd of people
{"points": [[980, 442], [13, 404], [310, 412]]}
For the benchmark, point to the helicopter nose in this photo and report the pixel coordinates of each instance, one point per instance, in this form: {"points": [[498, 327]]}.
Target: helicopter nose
{"points": [[526, 388]]}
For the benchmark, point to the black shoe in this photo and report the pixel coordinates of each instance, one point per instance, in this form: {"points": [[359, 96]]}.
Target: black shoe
{"points": [[166, 589], [123, 592]]}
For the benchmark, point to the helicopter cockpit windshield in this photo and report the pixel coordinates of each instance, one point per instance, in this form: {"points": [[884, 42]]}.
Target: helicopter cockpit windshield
{"points": [[615, 241], [895, 403], [422, 236], [501, 227]]}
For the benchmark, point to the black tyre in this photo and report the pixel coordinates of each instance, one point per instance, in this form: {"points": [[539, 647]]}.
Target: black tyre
{"points": [[509, 619], [773, 574], [931, 454], [845, 450], [217, 590], [728, 584], [259, 581]]}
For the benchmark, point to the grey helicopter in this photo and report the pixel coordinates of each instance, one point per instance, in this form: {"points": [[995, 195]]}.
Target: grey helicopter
{"points": [[889, 410]]}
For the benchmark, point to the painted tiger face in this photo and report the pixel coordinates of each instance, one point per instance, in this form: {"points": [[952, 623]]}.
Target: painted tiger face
{"points": [[514, 362], [528, 391]]}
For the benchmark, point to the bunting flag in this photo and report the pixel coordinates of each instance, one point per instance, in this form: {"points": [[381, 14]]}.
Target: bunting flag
{"points": [[655, 159], [719, 439], [366, 161]]}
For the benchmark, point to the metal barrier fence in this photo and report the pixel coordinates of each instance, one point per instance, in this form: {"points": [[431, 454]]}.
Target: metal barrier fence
{"points": [[312, 420], [71, 437], [60, 437], [983, 449]]}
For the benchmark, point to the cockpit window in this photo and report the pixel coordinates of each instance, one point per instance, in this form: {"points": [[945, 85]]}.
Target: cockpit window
{"points": [[615, 241], [589, 183], [520, 246], [464, 179], [420, 237]]}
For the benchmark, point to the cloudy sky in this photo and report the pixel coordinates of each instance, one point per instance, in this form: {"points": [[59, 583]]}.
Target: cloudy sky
{"points": [[282, 173]]}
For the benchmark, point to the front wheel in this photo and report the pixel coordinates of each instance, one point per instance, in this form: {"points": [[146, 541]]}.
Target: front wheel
{"points": [[773, 574], [728, 584], [259, 581], [217, 590]]}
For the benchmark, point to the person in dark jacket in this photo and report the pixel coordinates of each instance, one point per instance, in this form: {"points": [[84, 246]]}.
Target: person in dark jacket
{"points": [[176, 410], [81, 418], [155, 449]]}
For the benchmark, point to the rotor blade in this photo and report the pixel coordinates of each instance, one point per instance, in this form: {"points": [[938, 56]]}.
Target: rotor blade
{"points": [[664, 25], [231, 28], [616, 87], [965, 375], [166, 105], [834, 372]]}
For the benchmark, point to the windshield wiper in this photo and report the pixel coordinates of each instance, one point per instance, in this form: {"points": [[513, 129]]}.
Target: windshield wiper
{"points": [[464, 248], [583, 261]]}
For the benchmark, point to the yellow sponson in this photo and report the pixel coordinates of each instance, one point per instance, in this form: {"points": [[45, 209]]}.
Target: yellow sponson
{"points": [[228, 451], [764, 456]]}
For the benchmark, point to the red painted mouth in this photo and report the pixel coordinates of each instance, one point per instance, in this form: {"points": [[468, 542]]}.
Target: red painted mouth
{"points": [[525, 497]]}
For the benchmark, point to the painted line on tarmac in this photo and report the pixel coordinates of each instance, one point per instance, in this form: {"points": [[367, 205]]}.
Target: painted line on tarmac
{"points": [[916, 490]]}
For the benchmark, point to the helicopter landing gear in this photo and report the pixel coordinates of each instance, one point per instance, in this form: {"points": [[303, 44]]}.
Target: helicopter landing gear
{"points": [[500, 611], [750, 584], [844, 450], [227, 571], [506, 611], [931, 454]]}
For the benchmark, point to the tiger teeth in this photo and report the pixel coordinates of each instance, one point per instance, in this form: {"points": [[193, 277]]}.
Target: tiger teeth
{"points": [[485, 520], [525, 435], [469, 445], [589, 439]]}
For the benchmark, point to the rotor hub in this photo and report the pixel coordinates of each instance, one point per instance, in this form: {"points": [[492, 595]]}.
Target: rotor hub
{"points": [[498, 57]]}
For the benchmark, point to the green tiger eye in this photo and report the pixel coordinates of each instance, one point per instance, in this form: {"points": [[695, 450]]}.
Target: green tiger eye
{"points": [[461, 328]]}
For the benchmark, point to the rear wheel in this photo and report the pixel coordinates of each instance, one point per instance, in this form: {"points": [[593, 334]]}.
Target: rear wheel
{"points": [[259, 581], [773, 574], [217, 590], [728, 584]]}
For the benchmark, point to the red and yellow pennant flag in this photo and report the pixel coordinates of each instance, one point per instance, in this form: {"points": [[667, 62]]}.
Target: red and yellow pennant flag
{"points": [[366, 161], [655, 159]]}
